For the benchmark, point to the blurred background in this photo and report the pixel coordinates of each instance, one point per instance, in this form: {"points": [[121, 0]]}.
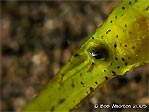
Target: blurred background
{"points": [[38, 38]]}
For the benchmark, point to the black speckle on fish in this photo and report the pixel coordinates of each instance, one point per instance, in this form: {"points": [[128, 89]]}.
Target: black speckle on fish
{"points": [[91, 89], [114, 73], [125, 25], [123, 59], [123, 8], [118, 67], [147, 8], [72, 84], [87, 93], [125, 64], [96, 83], [108, 31], [115, 45], [76, 55], [82, 84], [61, 101], [106, 78]]}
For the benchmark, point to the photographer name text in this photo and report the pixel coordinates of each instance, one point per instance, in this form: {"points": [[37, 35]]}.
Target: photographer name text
{"points": [[120, 106]]}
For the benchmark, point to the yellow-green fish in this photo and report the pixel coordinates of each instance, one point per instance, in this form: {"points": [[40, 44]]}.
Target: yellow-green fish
{"points": [[116, 47]]}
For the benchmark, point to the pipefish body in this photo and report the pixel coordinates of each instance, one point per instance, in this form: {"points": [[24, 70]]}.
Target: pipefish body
{"points": [[116, 47]]}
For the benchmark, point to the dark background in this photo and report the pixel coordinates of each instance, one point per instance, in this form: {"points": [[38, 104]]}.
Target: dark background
{"points": [[38, 38]]}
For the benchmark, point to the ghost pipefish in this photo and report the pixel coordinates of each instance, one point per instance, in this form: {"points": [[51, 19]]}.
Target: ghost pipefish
{"points": [[118, 46]]}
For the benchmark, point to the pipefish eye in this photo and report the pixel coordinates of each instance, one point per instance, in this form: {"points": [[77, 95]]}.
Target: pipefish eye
{"points": [[99, 52]]}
